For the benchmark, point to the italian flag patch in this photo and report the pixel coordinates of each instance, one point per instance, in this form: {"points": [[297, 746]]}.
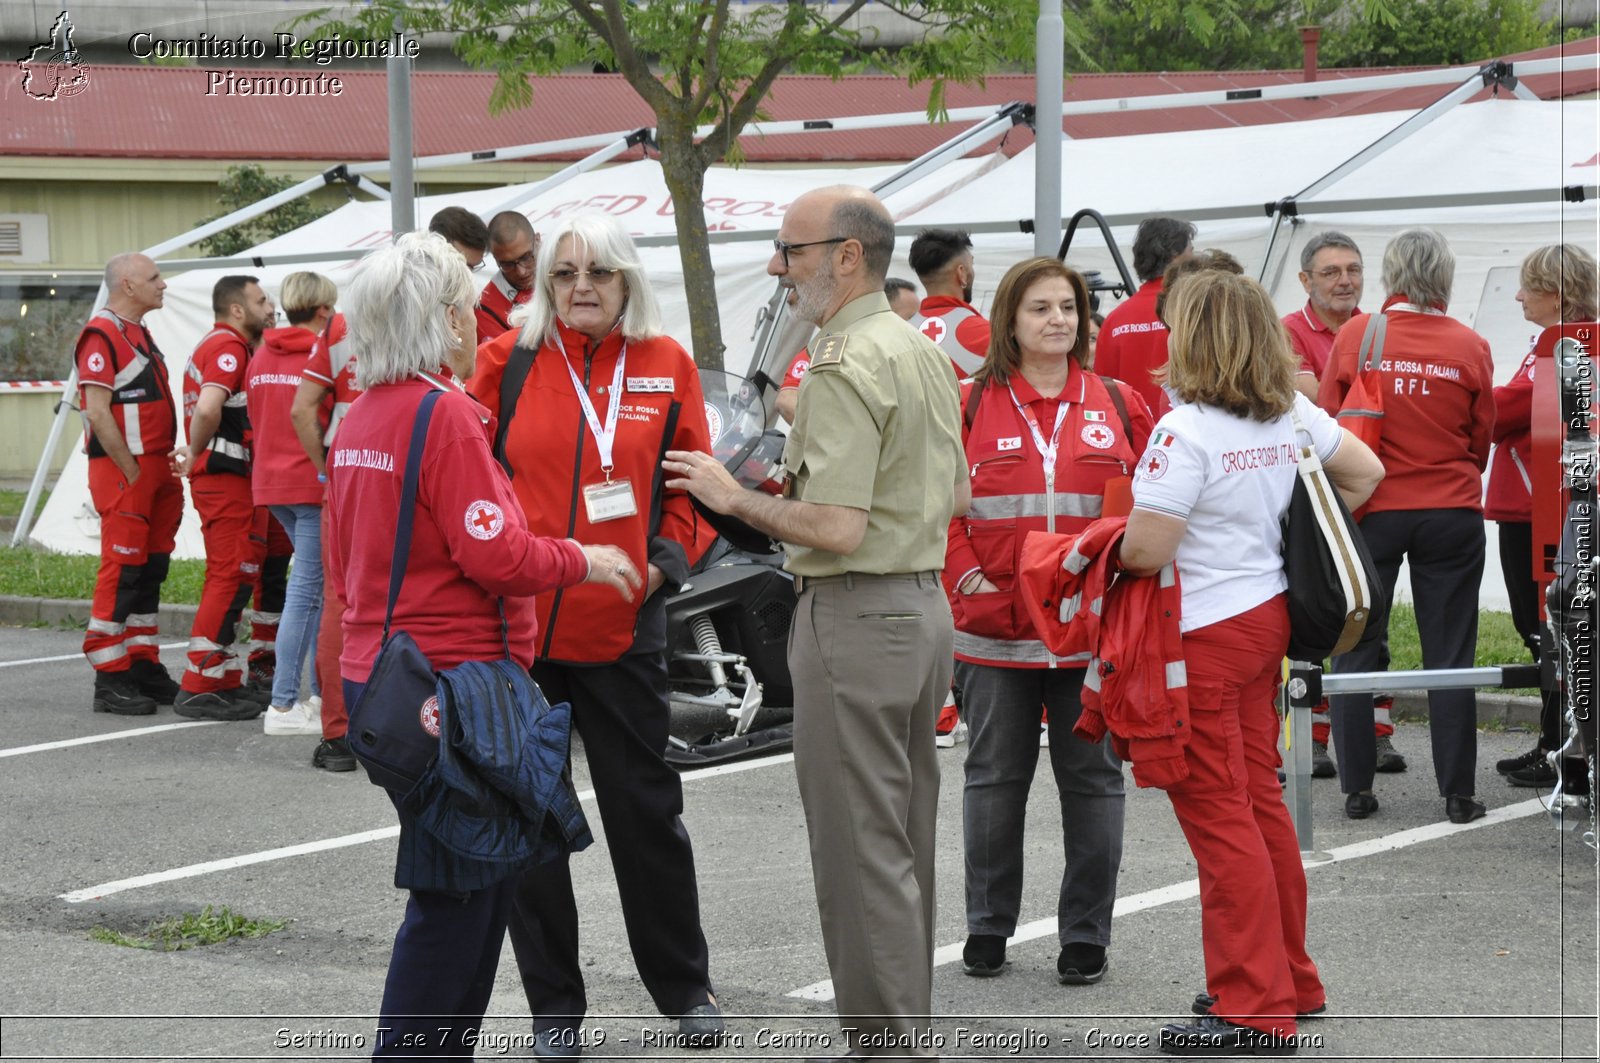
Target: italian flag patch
{"points": [[1162, 438]]}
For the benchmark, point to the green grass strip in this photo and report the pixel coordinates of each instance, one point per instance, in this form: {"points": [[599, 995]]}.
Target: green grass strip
{"points": [[176, 933]]}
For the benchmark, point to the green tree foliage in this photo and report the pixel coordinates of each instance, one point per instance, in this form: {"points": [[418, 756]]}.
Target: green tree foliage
{"points": [[249, 183], [1428, 32], [705, 68]]}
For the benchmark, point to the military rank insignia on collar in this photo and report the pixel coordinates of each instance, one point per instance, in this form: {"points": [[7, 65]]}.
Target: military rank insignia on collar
{"points": [[829, 352]]}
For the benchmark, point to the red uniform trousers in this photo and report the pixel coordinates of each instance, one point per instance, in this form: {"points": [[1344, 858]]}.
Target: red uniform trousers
{"points": [[330, 644], [1231, 808], [233, 565], [138, 526], [1382, 722], [273, 549]]}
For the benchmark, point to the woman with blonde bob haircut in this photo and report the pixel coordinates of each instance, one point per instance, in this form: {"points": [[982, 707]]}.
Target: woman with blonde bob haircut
{"points": [[1210, 494]]}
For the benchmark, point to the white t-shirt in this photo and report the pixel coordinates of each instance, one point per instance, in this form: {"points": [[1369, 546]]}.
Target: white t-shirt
{"points": [[1231, 479]]}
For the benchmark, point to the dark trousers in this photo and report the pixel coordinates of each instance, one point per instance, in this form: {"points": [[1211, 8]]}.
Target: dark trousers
{"points": [[620, 710], [1516, 564], [1445, 549]]}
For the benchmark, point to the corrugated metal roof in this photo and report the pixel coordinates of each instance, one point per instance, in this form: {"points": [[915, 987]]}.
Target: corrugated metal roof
{"points": [[190, 113]]}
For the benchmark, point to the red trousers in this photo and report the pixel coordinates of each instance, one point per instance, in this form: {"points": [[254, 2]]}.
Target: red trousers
{"points": [[233, 565], [273, 549], [1382, 724], [1252, 886], [330, 644], [138, 526]]}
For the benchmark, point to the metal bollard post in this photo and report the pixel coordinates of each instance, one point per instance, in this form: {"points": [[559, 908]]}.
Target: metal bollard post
{"points": [[1297, 697]]}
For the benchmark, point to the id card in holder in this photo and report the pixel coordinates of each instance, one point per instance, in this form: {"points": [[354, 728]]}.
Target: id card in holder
{"points": [[609, 501]]}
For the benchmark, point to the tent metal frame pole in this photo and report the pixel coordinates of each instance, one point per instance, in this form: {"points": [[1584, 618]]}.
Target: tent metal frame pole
{"points": [[402, 182], [769, 324], [642, 135], [1050, 53]]}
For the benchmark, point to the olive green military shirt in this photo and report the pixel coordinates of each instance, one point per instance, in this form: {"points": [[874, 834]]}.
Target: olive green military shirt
{"points": [[878, 428]]}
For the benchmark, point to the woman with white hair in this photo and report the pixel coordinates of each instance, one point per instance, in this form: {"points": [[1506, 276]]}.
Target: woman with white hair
{"points": [[411, 322], [1437, 381], [590, 396]]}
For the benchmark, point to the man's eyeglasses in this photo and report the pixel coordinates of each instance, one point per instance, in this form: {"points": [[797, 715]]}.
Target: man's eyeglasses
{"points": [[1333, 273], [475, 266], [784, 248], [525, 262], [599, 276]]}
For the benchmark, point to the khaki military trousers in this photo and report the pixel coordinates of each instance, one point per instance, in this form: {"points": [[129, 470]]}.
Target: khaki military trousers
{"points": [[870, 657]]}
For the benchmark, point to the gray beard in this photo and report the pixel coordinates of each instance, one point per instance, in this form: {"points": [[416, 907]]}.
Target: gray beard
{"points": [[813, 299]]}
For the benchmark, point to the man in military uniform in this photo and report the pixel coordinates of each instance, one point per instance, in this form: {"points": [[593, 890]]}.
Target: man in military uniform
{"points": [[875, 471]]}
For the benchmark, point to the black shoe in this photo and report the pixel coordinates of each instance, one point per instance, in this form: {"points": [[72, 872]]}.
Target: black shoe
{"points": [[1463, 809], [1322, 765], [1533, 756], [1204, 1002], [1212, 1036], [702, 1026], [1360, 806], [260, 695], [1390, 760], [563, 1042], [153, 681], [1081, 964], [116, 693], [1541, 775], [262, 669], [983, 955], [215, 705], [333, 754]]}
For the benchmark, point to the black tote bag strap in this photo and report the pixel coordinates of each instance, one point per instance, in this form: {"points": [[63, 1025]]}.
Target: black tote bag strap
{"points": [[408, 504]]}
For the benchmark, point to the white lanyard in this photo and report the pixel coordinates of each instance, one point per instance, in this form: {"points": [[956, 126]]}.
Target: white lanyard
{"points": [[1047, 451], [605, 436]]}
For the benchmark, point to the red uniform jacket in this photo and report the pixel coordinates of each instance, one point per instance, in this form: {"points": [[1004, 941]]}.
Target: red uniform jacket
{"points": [[553, 457], [281, 473], [220, 361], [495, 304], [1133, 341], [333, 365], [469, 543], [1438, 395], [1510, 492], [1136, 686], [1009, 500], [959, 330], [122, 357]]}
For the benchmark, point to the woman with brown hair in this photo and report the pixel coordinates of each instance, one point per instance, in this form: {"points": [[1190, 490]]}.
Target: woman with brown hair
{"points": [[1043, 438], [1211, 491]]}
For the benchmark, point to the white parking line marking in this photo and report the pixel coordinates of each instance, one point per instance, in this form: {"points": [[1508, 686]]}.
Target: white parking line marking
{"points": [[105, 889], [75, 656], [91, 739], [1182, 891]]}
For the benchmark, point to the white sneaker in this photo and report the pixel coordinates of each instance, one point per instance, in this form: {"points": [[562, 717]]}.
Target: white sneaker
{"points": [[952, 738], [313, 706], [295, 721]]}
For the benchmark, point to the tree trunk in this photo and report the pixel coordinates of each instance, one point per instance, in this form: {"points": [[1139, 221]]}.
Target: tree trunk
{"points": [[685, 177]]}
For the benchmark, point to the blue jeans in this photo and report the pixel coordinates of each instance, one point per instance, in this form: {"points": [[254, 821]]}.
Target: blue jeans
{"points": [[302, 604]]}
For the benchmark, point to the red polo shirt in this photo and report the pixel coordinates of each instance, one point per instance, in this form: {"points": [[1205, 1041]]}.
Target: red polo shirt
{"points": [[1311, 338], [1133, 341]]}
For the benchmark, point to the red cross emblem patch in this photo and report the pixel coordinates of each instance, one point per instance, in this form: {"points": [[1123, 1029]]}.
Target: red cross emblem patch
{"points": [[430, 716], [484, 519], [97, 362], [227, 363], [1098, 436], [1154, 466], [934, 328]]}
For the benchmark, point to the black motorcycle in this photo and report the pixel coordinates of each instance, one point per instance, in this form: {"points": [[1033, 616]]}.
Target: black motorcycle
{"points": [[728, 627]]}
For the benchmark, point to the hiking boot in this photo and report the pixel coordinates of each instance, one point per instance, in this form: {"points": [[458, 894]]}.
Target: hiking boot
{"points": [[1322, 765], [153, 681], [116, 693], [333, 754], [1536, 755], [1389, 758], [262, 668], [228, 705]]}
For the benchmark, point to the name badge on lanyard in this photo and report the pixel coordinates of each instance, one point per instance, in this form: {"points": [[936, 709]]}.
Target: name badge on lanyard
{"points": [[613, 499]]}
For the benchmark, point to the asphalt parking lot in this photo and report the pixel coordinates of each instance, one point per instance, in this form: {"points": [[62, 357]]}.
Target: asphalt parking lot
{"points": [[1435, 941]]}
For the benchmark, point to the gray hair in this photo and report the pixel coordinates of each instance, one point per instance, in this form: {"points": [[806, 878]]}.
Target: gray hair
{"points": [[867, 221], [395, 307], [1326, 238], [1419, 264], [602, 238]]}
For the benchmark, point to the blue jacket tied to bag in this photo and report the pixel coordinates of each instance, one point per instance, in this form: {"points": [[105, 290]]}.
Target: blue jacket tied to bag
{"points": [[498, 799]]}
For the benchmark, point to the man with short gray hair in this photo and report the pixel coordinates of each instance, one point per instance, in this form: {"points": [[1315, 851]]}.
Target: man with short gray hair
{"points": [[875, 472], [1331, 274]]}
